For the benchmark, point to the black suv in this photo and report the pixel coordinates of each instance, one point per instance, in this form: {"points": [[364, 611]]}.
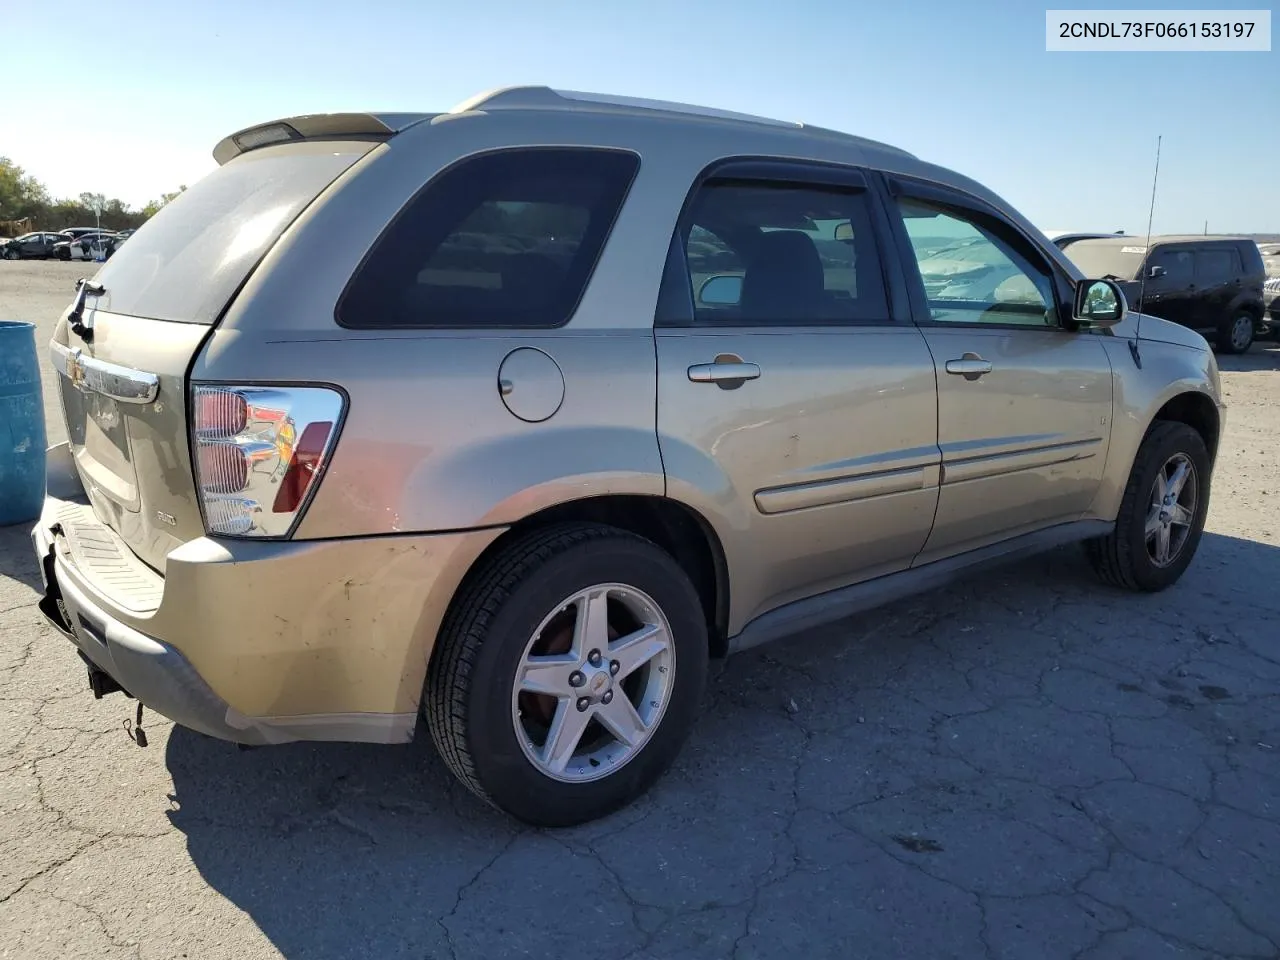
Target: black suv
{"points": [[1210, 284]]}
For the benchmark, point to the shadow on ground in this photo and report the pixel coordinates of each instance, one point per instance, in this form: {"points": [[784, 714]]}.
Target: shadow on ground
{"points": [[17, 561], [1022, 762], [1264, 355]]}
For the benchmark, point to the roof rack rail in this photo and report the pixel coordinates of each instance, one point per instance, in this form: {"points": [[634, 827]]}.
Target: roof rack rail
{"points": [[547, 98], [543, 97]]}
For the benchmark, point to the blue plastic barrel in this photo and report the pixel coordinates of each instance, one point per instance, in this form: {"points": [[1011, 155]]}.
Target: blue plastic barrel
{"points": [[22, 436]]}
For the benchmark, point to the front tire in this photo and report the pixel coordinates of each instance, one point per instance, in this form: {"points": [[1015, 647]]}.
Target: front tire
{"points": [[1236, 333], [1161, 515], [568, 673]]}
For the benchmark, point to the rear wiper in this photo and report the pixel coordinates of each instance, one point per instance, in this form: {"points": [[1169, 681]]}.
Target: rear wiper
{"points": [[84, 287]]}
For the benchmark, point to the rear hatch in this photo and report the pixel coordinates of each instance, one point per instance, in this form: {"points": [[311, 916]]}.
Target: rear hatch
{"points": [[122, 377]]}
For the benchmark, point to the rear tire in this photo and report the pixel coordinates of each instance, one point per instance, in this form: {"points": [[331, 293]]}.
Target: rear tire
{"points": [[1235, 335], [1130, 556], [520, 622]]}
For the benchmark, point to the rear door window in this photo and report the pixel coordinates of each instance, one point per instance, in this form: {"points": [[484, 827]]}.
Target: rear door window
{"points": [[188, 260], [1217, 266], [505, 239], [777, 253]]}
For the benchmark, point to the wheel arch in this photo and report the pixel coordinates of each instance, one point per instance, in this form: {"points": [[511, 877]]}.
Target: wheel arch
{"points": [[678, 529], [1246, 303], [1197, 411], [1173, 384]]}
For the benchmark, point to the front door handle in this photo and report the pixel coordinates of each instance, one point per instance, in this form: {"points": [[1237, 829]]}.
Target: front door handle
{"points": [[970, 366], [728, 372]]}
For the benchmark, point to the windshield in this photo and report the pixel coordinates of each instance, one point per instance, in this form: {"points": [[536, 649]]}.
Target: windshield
{"points": [[1106, 258]]}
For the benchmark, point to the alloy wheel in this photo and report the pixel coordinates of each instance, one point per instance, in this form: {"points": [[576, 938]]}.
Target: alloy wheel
{"points": [[1172, 509], [593, 683]]}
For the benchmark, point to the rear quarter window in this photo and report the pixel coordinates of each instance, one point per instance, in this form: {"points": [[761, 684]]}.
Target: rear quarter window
{"points": [[1251, 256], [187, 262], [505, 239]]}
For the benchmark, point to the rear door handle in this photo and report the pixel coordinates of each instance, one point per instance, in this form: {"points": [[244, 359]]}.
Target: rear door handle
{"points": [[970, 366], [731, 373]]}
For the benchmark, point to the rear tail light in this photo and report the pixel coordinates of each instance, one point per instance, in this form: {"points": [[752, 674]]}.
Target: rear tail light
{"points": [[259, 453]]}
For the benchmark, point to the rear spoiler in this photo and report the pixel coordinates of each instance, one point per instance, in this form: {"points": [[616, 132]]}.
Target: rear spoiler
{"points": [[316, 126]]}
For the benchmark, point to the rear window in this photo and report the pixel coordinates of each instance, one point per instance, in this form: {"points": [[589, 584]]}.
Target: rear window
{"points": [[188, 260], [505, 239], [1107, 258]]}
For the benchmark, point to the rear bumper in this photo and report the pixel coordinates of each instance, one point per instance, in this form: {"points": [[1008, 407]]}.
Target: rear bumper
{"points": [[256, 642], [154, 672]]}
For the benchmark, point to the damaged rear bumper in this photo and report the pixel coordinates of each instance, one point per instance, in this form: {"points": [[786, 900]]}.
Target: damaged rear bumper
{"points": [[143, 667], [253, 642]]}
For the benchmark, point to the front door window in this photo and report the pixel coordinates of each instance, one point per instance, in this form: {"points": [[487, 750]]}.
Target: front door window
{"points": [[971, 275]]}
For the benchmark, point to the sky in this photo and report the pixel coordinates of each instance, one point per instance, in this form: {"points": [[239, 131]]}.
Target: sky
{"points": [[132, 95]]}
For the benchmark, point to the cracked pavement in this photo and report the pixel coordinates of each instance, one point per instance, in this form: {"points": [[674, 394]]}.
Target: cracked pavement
{"points": [[1026, 765]]}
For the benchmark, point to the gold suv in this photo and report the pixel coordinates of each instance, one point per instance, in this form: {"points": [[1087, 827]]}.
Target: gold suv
{"points": [[513, 416]]}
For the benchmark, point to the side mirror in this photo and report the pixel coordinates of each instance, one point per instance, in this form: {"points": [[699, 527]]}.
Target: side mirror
{"points": [[722, 290], [1156, 271], [1099, 303], [844, 231]]}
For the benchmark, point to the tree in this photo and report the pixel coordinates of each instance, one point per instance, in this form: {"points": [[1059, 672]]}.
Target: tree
{"points": [[93, 201], [152, 208], [25, 204], [21, 195]]}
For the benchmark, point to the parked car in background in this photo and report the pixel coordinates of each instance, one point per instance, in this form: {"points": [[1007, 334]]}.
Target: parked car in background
{"points": [[468, 427], [964, 271], [30, 246], [74, 232], [86, 246], [1271, 289], [1271, 297], [1211, 284]]}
